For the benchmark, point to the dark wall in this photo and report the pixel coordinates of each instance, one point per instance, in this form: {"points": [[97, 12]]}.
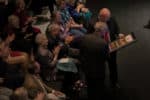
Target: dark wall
{"points": [[134, 61]]}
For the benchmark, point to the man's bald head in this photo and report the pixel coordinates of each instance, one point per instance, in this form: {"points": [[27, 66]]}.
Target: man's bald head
{"points": [[104, 14]]}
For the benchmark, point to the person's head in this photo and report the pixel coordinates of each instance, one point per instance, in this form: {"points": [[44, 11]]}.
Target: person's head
{"points": [[20, 94], [56, 17], [101, 27], [20, 5], [104, 14], [61, 4], [36, 94], [53, 29], [13, 21], [41, 39]]}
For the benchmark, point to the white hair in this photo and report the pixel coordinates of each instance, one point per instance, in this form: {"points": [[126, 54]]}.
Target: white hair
{"points": [[100, 26], [52, 27]]}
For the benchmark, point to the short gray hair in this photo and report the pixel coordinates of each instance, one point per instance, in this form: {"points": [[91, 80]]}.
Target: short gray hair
{"points": [[52, 27], [100, 26]]}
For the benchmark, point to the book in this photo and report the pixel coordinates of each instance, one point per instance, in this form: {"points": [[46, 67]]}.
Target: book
{"points": [[122, 42]]}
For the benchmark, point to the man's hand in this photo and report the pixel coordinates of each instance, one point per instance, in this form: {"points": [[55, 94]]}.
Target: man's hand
{"points": [[121, 35], [56, 50]]}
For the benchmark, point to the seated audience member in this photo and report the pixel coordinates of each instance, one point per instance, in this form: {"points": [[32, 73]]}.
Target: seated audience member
{"points": [[20, 94], [76, 29], [64, 29], [13, 28], [53, 36], [14, 57], [26, 20], [11, 74], [46, 58], [80, 13], [34, 83], [28, 31], [71, 8], [64, 34], [56, 36], [13, 24], [21, 13], [84, 12]]}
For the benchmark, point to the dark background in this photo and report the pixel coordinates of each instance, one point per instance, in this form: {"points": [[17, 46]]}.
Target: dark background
{"points": [[134, 61]]}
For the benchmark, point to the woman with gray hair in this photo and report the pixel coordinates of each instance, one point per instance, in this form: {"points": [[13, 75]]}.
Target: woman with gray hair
{"points": [[46, 58]]}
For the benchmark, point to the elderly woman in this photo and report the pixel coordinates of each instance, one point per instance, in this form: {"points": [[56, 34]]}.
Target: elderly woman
{"points": [[21, 12], [46, 58], [65, 33], [53, 35]]}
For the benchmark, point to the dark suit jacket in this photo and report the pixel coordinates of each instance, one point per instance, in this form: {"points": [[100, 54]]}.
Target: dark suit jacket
{"points": [[113, 28], [93, 52]]}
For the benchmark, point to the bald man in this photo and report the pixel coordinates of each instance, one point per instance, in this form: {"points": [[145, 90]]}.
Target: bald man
{"points": [[113, 29]]}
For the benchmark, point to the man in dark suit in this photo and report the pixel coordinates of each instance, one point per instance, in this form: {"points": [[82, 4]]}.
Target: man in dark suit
{"points": [[113, 29], [94, 51]]}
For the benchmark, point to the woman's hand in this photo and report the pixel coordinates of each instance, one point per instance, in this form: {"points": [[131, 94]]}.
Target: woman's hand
{"points": [[58, 93], [121, 35], [56, 50]]}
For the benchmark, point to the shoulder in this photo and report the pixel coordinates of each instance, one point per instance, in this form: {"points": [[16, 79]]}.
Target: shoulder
{"points": [[112, 20]]}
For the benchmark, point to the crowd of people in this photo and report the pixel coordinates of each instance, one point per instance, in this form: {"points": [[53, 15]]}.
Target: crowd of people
{"points": [[71, 47]]}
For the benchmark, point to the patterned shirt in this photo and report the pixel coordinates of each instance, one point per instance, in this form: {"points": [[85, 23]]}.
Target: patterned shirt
{"points": [[65, 15]]}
